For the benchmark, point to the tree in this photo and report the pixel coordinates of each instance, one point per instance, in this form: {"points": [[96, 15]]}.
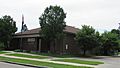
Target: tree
{"points": [[116, 31], [109, 43], [87, 38], [7, 29], [52, 23]]}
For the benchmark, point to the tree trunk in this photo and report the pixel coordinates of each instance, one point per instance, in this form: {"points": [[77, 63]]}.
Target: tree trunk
{"points": [[84, 52], [48, 46], [54, 46]]}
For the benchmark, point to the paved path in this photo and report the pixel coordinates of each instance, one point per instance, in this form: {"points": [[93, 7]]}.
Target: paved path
{"points": [[7, 65], [109, 62], [48, 60]]}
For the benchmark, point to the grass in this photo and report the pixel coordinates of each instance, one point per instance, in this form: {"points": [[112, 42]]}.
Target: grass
{"points": [[39, 63], [79, 61], [2, 52], [49, 54], [27, 56], [54, 55]]}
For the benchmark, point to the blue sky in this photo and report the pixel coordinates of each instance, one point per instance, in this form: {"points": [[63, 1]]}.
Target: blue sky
{"points": [[101, 14]]}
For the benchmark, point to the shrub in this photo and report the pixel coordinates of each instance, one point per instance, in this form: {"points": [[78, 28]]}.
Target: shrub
{"points": [[33, 52], [18, 50], [26, 51]]}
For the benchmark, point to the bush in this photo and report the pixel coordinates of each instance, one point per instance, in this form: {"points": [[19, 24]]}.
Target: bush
{"points": [[26, 51], [33, 52], [18, 50], [2, 46]]}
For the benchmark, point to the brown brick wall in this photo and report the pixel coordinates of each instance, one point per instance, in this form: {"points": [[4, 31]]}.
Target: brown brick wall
{"points": [[59, 48], [31, 46], [72, 45]]}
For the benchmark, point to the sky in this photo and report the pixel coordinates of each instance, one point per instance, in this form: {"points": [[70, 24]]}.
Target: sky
{"points": [[103, 15]]}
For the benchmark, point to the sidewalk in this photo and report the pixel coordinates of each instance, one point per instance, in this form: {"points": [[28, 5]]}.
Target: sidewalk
{"points": [[49, 60]]}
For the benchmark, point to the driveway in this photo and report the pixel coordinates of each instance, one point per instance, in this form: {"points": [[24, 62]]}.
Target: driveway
{"points": [[7, 65], [109, 62]]}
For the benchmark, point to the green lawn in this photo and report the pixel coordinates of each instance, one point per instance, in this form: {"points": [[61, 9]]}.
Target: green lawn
{"points": [[2, 52], [39, 63], [27, 56], [54, 55], [79, 61]]}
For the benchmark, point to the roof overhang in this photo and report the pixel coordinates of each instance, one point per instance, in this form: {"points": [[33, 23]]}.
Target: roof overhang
{"points": [[26, 36]]}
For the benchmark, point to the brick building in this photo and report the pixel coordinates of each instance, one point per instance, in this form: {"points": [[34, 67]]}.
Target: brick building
{"points": [[31, 40]]}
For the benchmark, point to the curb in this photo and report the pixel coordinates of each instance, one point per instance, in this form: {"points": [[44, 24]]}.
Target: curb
{"points": [[29, 65]]}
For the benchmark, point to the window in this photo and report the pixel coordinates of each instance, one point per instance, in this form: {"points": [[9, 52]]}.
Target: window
{"points": [[31, 40]]}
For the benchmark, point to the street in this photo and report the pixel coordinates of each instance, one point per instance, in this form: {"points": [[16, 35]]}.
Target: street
{"points": [[8, 65]]}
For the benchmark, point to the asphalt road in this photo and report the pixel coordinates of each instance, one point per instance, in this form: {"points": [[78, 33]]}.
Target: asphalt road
{"points": [[8, 65]]}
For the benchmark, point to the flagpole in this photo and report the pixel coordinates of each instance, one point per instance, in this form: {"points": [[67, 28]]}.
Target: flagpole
{"points": [[119, 27], [22, 31]]}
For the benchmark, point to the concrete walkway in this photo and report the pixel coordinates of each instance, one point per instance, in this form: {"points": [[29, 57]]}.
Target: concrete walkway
{"points": [[49, 60], [109, 61]]}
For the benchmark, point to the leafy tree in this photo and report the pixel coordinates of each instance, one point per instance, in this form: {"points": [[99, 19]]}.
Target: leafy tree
{"points": [[109, 43], [7, 28], [98, 43], [116, 31], [87, 38], [52, 23]]}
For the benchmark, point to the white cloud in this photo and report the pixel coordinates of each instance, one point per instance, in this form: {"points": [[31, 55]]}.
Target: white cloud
{"points": [[101, 14]]}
